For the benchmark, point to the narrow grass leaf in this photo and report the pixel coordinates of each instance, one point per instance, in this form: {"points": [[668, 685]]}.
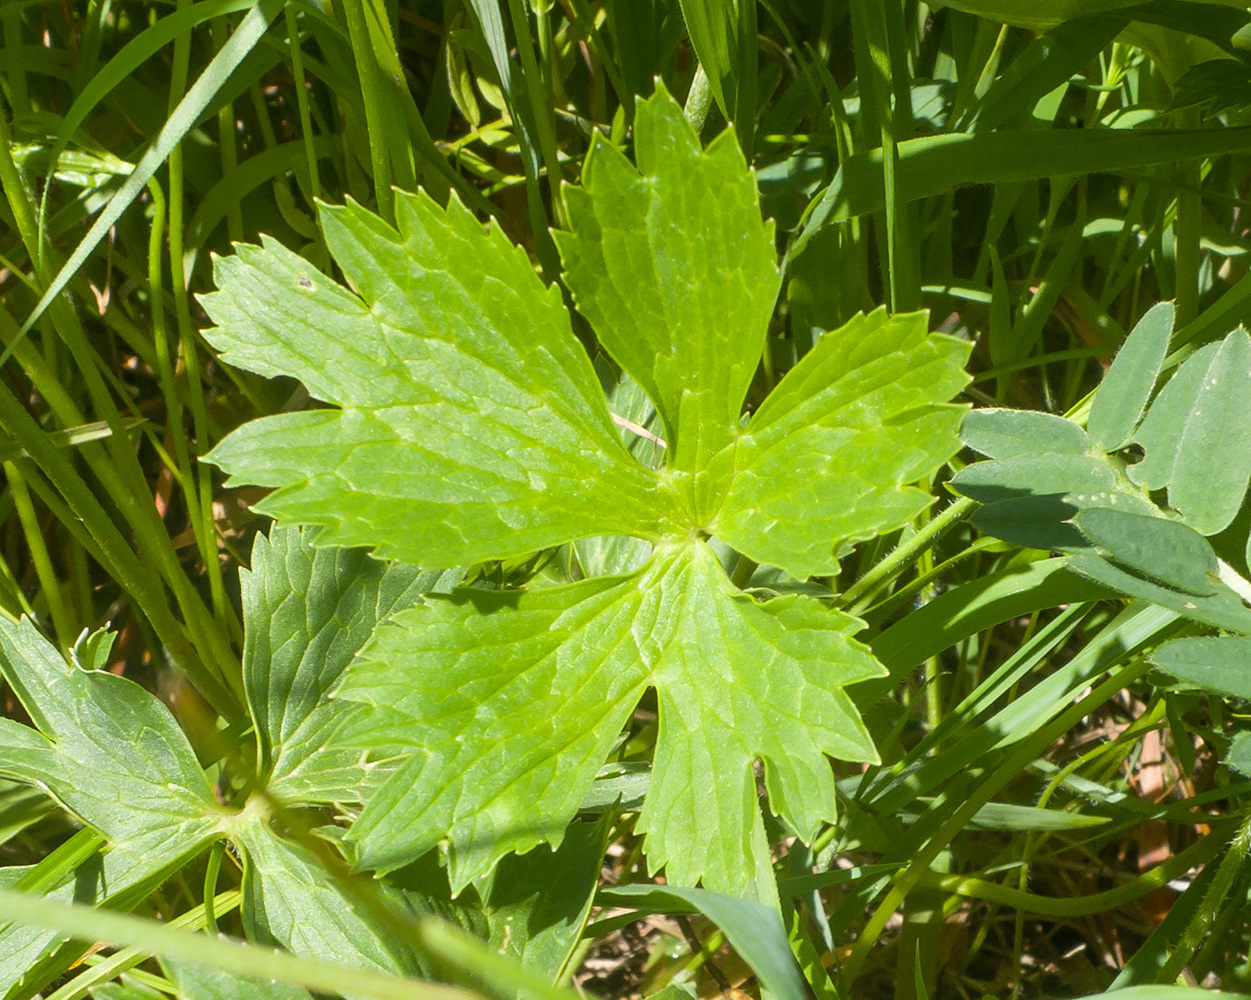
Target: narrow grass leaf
{"points": [[933, 165], [1048, 62], [754, 930], [232, 956], [246, 36]]}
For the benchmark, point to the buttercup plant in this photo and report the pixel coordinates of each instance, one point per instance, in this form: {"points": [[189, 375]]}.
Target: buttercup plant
{"points": [[467, 423]]}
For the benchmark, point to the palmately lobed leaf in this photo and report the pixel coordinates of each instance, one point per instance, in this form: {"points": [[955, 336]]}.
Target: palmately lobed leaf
{"points": [[509, 702], [145, 782], [307, 612], [470, 425], [830, 456], [677, 272]]}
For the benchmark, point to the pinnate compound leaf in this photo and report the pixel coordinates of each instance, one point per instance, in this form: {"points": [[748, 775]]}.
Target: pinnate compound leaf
{"points": [[1213, 464], [829, 457], [1007, 434], [1167, 552], [145, 783], [1222, 609], [307, 612], [1197, 435], [1123, 394], [676, 271], [510, 713], [1221, 665], [469, 421]]}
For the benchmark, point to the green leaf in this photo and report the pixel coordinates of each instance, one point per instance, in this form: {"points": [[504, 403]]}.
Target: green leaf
{"points": [[755, 931], [1213, 464], [932, 166], [453, 343], [1197, 435], [1239, 756], [537, 903], [1166, 552], [467, 424], [828, 458], [164, 940], [119, 879], [1223, 609], [999, 433], [145, 781], [307, 612], [1043, 474], [1213, 664], [290, 899], [1046, 63], [203, 982], [1161, 430], [1125, 390], [677, 272], [514, 699]]}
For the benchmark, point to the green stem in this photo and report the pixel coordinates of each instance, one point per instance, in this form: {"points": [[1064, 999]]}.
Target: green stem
{"points": [[154, 937], [1231, 865], [1198, 853], [62, 619], [857, 597]]}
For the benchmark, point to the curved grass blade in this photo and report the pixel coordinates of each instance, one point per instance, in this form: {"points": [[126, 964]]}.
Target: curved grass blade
{"points": [[253, 26]]}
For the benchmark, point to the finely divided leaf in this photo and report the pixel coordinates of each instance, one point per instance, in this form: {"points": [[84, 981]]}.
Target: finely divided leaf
{"points": [[307, 613], [676, 271], [509, 714], [469, 421], [829, 457]]}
